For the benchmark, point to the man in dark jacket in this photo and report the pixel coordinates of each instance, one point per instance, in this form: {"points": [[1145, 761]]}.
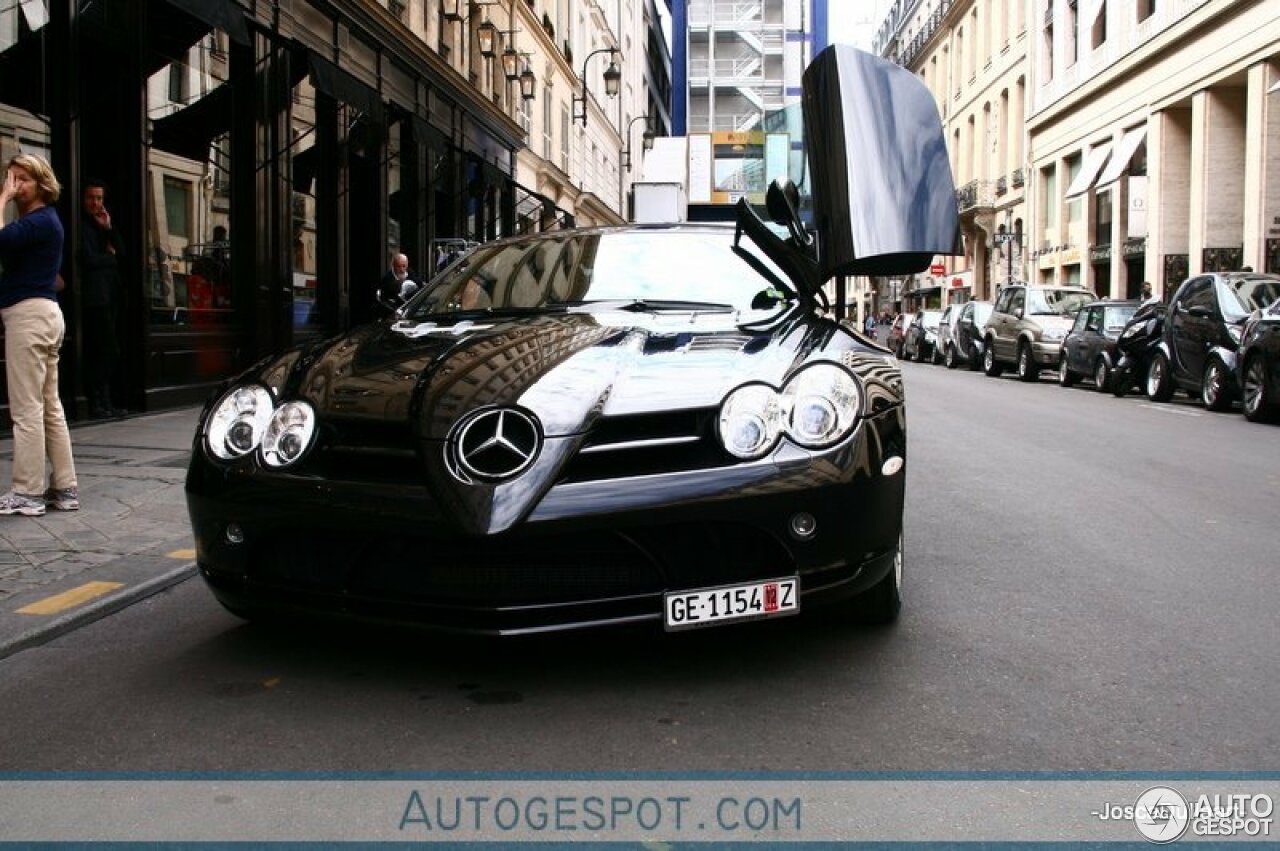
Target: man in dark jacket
{"points": [[101, 250]]}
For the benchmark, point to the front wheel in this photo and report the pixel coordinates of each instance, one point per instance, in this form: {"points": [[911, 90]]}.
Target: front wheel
{"points": [[1066, 377], [881, 603], [1259, 402], [1101, 376], [990, 365], [950, 359], [1027, 369], [1213, 387], [1159, 382]]}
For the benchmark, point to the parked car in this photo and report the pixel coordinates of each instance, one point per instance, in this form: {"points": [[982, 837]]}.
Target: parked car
{"points": [[897, 330], [966, 343], [947, 330], [921, 337], [1089, 349], [1202, 333], [1260, 365], [1027, 326]]}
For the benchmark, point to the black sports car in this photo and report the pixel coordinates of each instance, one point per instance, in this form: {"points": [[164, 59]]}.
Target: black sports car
{"points": [[584, 427]]}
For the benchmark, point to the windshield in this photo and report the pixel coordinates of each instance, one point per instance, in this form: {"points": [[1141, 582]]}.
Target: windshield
{"points": [[982, 312], [1243, 296], [1114, 318], [661, 269], [1057, 302]]}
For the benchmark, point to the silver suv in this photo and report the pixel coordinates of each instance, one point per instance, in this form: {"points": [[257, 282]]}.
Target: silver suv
{"points": [[1027, 326]]}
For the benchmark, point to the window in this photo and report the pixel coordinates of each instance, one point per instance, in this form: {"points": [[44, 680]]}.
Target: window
{"points": [[177, 207], [1074, 164], [1073, 34], [178, 83], [546, 123], [1102, 212], [1099, 35], [566, 122], [1046, 54], [1049, 198], [1146, 8]]}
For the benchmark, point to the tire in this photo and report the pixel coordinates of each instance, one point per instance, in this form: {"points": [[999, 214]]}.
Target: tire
{"points": [[1101, 376], [1258, 402], [1215, 392], [935, 357], [1026, 364], [1121, 382], [950, 360], [1066, 377], [881, 603], [1159, 384], [990, 365]]}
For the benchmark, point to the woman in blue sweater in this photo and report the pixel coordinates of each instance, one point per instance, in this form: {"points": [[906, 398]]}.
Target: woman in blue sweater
{"points": [[31, 253]]}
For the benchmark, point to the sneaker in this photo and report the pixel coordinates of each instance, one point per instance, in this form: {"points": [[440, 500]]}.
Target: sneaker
{"points": [[63, 499], [16, 503]]}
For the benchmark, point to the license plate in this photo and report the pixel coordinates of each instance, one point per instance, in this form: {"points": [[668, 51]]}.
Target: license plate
{"points": [[728, 603]]}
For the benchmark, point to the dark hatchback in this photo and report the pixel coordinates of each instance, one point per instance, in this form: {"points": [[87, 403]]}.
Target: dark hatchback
{"points": [[642, 424], [1260, 365], [1089, 349], [966, 343], [1203, 330]]}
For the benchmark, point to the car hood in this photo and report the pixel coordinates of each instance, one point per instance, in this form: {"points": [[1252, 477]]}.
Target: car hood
{"points": [[565, 368], [1053, 323]]}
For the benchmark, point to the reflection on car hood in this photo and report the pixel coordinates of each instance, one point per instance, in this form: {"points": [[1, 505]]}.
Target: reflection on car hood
{"points": [[1053, 323], [566, 368]]}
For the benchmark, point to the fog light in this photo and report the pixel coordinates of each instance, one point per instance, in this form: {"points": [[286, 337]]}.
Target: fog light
{"points": [[892, 465], [235, 535], [804, 525]]}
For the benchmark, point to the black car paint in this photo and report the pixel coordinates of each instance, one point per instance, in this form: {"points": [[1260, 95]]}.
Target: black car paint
{"points": [[1260, 351], [1091, 339]]}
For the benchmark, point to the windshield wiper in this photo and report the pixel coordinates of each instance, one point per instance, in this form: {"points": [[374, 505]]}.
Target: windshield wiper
{"points": [[644, 305]]}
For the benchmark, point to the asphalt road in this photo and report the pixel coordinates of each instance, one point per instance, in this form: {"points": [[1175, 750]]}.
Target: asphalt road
{"points": [[1090, 587]]}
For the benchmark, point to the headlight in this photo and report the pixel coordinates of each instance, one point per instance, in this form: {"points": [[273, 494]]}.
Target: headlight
{"points": [[1236, 333], [289, 434], [238, 421], [822, 402], [750, 421], [817, 408]]}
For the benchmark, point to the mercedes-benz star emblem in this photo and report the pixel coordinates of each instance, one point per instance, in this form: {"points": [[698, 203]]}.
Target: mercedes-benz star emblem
{"points": [[496, 444]]}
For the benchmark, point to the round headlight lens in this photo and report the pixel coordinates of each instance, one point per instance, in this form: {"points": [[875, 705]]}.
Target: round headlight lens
{"points": [[750, 421], [238, 421], [823, 402], [289, 434]]}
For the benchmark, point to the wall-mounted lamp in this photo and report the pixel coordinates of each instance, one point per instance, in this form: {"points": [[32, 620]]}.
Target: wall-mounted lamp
{"points": [[487, 34], [646, 140], [528, 82], [612, 80]]}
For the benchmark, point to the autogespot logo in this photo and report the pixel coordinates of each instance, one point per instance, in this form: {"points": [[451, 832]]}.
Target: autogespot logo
{"points": [[1161, 814]]}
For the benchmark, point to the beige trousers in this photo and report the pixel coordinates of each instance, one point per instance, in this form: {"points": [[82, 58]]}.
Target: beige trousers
{"points": [[33, 332]]}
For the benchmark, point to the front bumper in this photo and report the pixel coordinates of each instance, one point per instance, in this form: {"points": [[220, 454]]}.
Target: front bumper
{"points": [[1045, 353], [590, 553]]}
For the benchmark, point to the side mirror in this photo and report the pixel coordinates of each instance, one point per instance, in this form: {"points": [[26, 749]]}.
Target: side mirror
{"points": [[783, 203], [1019, 313]]}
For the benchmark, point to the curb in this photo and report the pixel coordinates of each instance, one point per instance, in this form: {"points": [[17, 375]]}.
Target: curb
{"points": [[46, 632]]}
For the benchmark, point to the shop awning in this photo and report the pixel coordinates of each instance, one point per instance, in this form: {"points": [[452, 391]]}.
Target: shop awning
{"points": [[1123, 154], [1274, 89], [1089, 172], [189, 131], [341, 86], [220, 14]]}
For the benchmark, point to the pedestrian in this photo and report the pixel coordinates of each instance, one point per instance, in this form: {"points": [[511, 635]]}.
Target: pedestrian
{"points": [[1146, 292], [31, 254], [391, 290], [101, 250]]}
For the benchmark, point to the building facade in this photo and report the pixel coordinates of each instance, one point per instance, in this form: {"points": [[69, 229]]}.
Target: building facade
{"points": [[263, 160], [1153, 141]]}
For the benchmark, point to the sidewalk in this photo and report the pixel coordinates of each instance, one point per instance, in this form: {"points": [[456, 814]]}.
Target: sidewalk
{"points": [[130, 539]]}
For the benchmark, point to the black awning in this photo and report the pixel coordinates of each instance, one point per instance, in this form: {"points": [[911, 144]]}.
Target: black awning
{"points": [[220, 14], [21, 84], [189, 131], [341, 86]]}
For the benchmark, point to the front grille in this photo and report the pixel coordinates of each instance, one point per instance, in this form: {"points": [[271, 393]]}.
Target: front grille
{"points": [[645, 444], [519, 569], [358, 451]]}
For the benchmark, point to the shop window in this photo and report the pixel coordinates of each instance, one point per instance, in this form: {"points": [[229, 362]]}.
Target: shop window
{"points": [[1102, 218]]}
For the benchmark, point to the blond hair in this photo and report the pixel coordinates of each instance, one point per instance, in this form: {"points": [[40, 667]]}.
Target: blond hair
{"points": [[40, 170]]}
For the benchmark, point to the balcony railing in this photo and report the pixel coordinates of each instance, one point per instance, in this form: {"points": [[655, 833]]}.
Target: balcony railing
{"points": [[976, 195], [1018, 178], [1002, 185]]}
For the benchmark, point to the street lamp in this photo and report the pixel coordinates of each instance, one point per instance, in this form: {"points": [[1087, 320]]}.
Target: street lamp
{"points": [[487, 33], [612, 79], [527, 80], [646, 140]]}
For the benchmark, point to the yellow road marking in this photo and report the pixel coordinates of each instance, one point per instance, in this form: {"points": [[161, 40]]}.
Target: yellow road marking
{"points": [[69, 599], [183, 554]]}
